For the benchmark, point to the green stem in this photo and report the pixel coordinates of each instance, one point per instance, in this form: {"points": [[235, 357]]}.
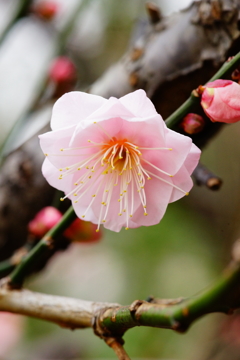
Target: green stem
{"points": [[221, 297], [193, 101], [6, 267], [48, 242]]}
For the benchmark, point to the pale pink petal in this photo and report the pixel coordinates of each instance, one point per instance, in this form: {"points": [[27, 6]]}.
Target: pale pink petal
{"points": [[139, 104], [51, 173], [171, 161], [183, 181], [192, 159], [219, 83], [158, 195], [231, 96], [74, 107]]}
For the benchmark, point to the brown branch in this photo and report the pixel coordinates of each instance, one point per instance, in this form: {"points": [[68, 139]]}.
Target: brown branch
{"points": [[206, 177]]}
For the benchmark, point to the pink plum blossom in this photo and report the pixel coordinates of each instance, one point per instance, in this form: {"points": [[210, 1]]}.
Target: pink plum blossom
{"points": [[11, 326], [44, 221], [116, 159], [221, 101]]}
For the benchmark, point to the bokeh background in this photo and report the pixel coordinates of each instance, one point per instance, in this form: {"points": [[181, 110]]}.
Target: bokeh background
{"points": [[179, 257]]}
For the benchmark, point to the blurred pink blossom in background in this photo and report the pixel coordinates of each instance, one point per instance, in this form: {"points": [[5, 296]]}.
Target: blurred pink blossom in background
{"points": [[10, 332]]}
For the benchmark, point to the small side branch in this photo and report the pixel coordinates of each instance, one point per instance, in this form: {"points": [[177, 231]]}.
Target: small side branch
{"points": [[27, 263], [111, 321], [206, 177]]}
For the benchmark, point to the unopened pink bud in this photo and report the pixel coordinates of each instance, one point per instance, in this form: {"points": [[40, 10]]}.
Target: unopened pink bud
{"points": [[83, 231], [46, 9], [62, 70], [44, 221], [221, 101], [192, 123]]}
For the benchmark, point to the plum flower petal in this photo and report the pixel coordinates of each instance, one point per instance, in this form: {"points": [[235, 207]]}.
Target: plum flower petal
{"points": [[221, 101], [116, 160]]}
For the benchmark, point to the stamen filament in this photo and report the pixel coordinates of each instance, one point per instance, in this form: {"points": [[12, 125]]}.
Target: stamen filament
{"points": [[169, 183]]}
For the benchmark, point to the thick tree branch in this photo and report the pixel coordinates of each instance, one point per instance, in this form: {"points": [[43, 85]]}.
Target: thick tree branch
{"points": [[112, 320]]}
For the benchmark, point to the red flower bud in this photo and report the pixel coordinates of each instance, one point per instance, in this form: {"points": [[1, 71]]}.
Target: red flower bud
{"points": [[44, 221], [82, 231], [62, 70], [221, 101], [192, 123], [46, 9]]}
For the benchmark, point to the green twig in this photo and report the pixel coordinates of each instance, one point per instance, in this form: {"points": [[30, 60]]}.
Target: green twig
{"points": [[223, 296], [17, 277], [189, 105]]}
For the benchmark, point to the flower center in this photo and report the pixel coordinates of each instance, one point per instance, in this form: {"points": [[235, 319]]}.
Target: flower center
{"points": [[115, 165]]}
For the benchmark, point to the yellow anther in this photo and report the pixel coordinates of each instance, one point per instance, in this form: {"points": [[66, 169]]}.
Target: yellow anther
{"points": [[76, 184], [130, 216], [89, 177], [89, 140], [61, 199], [97, 230], [103, 221], [149, 178], [67, 168], [75, 201], [171, 175], [94, 122], [94, 195], [46, 154], [83, 216], [170, 149], [75, 194], [87, 167], [79, 168], [106, 190], [60, 169], [120, 214], [187, 193], [145, 214], [61, 149], [126, 228]]}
